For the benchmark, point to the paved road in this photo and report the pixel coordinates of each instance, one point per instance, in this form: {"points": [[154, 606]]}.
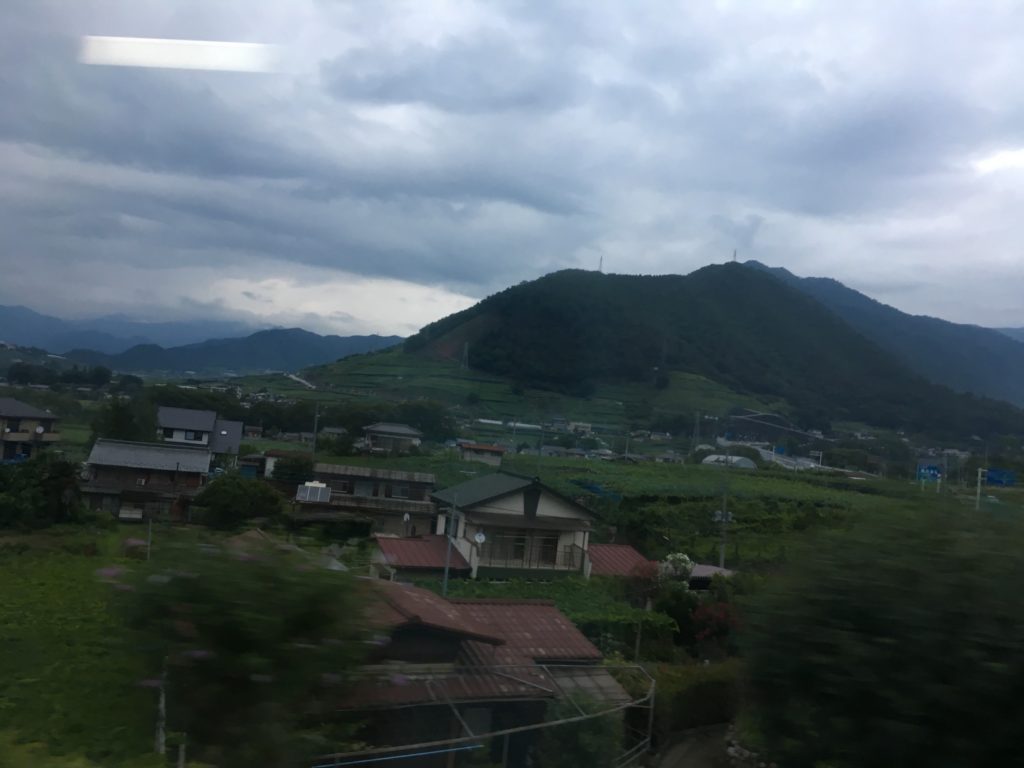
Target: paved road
{"points": [[701, 750]]}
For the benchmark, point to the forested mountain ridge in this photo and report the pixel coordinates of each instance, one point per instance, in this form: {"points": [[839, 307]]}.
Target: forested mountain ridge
{"points": [[286, 349], [966, 358], [732, 323]]}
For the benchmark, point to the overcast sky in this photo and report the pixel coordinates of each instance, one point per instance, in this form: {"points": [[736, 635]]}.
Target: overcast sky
{"points": [[411, 158]]}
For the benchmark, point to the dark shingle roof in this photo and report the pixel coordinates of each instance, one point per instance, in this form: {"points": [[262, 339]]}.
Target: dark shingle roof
{"points": [[164, 456], [15, 409], [483, 488], [185, 418], [494, 486], [226, 436]]}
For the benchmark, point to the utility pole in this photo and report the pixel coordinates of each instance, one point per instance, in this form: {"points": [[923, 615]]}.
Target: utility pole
{"points": [[977, 494], [316, 426], [722, 516], [451, 521]]}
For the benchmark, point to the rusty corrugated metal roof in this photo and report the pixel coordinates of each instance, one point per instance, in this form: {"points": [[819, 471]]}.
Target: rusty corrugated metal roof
{"points": [[404, 604], [533, 630], [614, 559], [426, 552]]}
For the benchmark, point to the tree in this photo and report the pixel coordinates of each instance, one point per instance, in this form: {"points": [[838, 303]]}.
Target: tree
{"points": [[895, 643], [231, 499], [41, 492], [253, 646], [121, 419], [293, 470]]}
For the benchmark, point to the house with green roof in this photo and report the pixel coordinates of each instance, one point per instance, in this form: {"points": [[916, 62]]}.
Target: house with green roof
{"points": [[511, 526]]}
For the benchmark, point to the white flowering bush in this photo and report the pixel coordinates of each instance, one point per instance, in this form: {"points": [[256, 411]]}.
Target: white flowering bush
{"points": [[677, 566]]}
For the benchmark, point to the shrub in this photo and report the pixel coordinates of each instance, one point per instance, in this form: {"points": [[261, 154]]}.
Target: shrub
{"points": [[895, 643], [695, 695], [230, 500]]}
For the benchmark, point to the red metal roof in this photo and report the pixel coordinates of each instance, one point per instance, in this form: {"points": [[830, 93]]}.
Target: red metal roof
{"points": [[614, 559], [533, 630], [504, 639], [482, 447], [403, 604], [427, 552]]}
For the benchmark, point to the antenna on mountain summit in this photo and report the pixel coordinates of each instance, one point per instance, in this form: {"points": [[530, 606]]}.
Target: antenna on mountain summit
{"points": [[600, 264], [733, 255]]}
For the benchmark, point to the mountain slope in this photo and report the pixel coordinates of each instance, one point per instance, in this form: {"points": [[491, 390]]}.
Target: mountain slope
{"points": [[966, 358], [1013, 333], [732, 324], [278, 349], [111, 334]]}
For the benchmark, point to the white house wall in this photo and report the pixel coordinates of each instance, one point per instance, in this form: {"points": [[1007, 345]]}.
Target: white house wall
{"points": [[549, 506]]}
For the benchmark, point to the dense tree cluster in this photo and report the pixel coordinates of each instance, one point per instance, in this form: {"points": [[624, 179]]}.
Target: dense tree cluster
{"points": [[231, 500], [40, 492], [31, 373]]}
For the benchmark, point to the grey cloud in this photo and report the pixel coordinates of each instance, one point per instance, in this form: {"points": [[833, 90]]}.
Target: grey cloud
{"points": [[529, 137], [493, 72]]}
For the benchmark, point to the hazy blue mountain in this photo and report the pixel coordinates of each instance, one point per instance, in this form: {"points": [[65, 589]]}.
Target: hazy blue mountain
{"points": [[1013, 333], [280, 349], [110, 334]]}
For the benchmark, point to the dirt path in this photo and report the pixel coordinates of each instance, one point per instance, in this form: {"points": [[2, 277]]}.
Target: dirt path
{"points": [[705, 749]]}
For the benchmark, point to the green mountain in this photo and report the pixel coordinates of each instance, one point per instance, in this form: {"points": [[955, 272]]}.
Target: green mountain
{"points": [[966, 358], [274, 350], [733, 324]]}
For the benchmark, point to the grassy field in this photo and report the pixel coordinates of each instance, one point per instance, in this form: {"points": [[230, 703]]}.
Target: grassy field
{"points": [[65, 679], [670, 507], [393, 375]]}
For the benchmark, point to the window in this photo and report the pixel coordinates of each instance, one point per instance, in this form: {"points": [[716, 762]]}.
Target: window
{"points": [[13, 425], [400, 491], [190, 435], [140, 481], [168, 433]]}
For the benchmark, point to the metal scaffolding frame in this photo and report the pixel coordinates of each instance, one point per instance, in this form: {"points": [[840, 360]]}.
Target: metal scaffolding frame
{"points": [[470, 741]]}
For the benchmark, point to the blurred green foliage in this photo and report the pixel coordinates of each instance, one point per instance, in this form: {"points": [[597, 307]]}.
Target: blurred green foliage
{"points": [[255, 643], [895, 643], [40, 492], [692, 695]]}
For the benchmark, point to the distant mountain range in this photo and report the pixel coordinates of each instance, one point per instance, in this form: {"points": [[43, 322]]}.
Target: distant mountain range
{"points": [[110, 334], [967, 358], [280, 349], [1013, 333], [757, 331]]}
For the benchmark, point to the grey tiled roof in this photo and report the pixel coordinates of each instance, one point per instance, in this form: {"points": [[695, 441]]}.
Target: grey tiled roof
{"points": [[185, 418], [15, 409], [226, 436], [165, 456]]}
